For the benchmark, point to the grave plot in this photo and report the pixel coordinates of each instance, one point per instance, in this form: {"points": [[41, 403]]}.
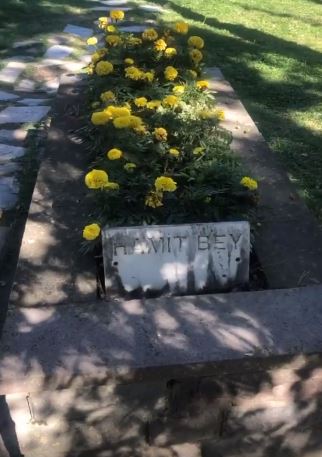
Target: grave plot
{"points": [[194, 374]]}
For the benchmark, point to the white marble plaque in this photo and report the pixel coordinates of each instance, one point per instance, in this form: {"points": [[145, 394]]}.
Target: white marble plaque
{"points": [[176, 259]]}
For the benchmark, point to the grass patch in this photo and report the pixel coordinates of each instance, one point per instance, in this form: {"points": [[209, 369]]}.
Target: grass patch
{"points": [[271, 52]]}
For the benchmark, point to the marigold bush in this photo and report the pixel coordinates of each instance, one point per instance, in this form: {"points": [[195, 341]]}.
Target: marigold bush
{"points": [[158, 153]]}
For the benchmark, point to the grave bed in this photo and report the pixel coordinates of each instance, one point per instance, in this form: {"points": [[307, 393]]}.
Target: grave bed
{"points": [[86, 374]]}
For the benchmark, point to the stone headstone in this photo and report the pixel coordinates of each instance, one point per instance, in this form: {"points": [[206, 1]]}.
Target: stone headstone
{"points": [[176, 259]]}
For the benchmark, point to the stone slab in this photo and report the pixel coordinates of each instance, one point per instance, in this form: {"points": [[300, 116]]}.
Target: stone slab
{"points": [[8, 169], [287, 255], [9, 152], [83, 32], [151, 8], [13, 135], [166, 337], [176, 259], [6, 96], [26, 85], [132, 28], [58, 52], [21, 114], [31, 102], [8, 194], [114, 2], [11, 72]]}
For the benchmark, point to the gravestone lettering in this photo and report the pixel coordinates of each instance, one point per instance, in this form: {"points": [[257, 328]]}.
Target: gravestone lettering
{"points": [[176, 259]]}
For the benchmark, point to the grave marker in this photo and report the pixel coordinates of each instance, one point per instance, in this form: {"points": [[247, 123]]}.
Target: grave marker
{"points": [[176, 259]]}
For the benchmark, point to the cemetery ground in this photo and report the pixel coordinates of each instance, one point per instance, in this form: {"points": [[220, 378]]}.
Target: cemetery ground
{"points": [[215, 375]]}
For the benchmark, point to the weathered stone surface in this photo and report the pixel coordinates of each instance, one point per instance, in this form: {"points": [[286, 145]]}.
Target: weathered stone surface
{"points": [[21, 114], [8, 192], [132, 28], [5, 96], [176, 259], [14, 135], [83, 32], [287, 255], [26, 85], [31, 102], [58, 52], [11, 72], [9, 152], [26, 43], [114, 2], [8, 169], [160, 338]]}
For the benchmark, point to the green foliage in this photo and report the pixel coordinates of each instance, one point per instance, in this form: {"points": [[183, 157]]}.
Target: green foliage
{"points": [[207, 179]]}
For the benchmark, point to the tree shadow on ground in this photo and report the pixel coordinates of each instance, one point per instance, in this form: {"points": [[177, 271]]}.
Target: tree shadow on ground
{"points": [[271, 103], [275, 406]]}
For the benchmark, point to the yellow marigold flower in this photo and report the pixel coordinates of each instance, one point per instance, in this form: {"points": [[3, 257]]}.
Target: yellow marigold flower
{"points": [[135, 122], [100, 118], [193, 74], [134, 41], [154, 199], [91, 41], [111, 28], [140, 130], [121, 122], [148, 76], [196, 55], [140, 102], [170, 100], [165, 184], [181, 27], [91, 232], [220, 114], [104, 68], [96, 179], [112, 186], [250, 183], [95, 57], [178, 90], [170, 52], [170, 73], [160, 134], [196, 42], [129, 166], [117, 15], [202, 84], [118, 111], [174, 152], [198, 150], [128, 61], [114, 154], [160, 45], [102, 22], [107, 96], [150, 35], [113, 40], [153, 104], [133, 73]]}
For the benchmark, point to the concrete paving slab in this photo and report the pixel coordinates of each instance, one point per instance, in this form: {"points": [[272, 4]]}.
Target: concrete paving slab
{"points": [[21, 114], [83, 32], [26, 85], [11, 72], [9, 152], [132, 28], [6, 96], [13, 135], [58, 52], [8, 169], [8, 197], [182, 336], [32, 101]]}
